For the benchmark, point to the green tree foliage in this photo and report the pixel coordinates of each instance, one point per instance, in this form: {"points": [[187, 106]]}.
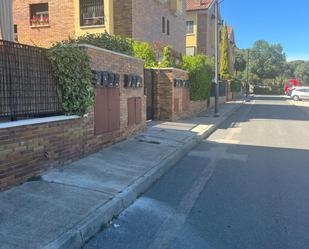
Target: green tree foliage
{"points": [[143, 50], [240, 61], [200, 70], [224, 62], [168, 59], [107, 41], [267, 61], [302, 72], [71, 67], [291, 68]]}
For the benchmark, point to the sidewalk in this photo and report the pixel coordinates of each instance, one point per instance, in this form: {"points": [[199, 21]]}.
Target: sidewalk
{"points": [[68, 205]]}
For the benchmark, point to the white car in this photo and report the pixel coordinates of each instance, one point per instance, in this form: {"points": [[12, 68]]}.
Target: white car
{"points": [[300, 93]]}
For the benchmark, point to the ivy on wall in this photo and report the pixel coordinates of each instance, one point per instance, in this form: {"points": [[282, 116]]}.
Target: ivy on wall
{"points": [[71, 67]]}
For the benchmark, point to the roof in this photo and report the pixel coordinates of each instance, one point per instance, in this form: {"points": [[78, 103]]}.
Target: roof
{"points": [[198, 4], [230, 31]]}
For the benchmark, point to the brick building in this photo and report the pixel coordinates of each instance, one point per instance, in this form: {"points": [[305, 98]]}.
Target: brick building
{"points": [[200, 33], [43, 22]]}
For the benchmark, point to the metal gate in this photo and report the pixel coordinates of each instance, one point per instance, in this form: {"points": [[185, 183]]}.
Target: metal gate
{"points": [[149, 91]]}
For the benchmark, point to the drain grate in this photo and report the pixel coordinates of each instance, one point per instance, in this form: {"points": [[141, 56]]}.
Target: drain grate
{"points": [[148, 141]]}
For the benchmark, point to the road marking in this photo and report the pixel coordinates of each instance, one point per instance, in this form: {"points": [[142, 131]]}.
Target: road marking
{"points": [[174, 222]]}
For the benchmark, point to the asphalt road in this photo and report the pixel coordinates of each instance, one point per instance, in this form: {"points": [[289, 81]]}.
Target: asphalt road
{"points": [[246, 186]]}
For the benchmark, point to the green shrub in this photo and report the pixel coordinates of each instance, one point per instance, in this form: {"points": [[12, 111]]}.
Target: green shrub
{"points": [[200, 70], [71, 67], [236, 85], [107, 41], [143, 50], [168, 59]]}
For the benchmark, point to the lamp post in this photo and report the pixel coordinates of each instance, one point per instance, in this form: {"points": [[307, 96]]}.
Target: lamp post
{"points": [[216, 114], [6, 20], [247, 83]]}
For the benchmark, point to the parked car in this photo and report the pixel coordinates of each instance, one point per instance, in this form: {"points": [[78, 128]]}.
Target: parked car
{"points": [[290, 85], [300, 93]]}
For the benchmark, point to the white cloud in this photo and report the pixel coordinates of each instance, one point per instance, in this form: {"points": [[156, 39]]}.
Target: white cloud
{"points": [[304, 57]]}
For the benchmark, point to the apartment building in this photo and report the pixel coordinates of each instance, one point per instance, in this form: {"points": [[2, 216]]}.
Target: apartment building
{"points": [[43, 22], [200, 27]]}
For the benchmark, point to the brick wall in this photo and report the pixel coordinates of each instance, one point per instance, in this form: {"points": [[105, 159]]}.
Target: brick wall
{"points": [[142, 21], [123, 18], [61, 22], [168, 100], [28, 150]]}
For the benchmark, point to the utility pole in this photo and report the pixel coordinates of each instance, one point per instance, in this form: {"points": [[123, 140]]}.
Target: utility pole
{"points": [[247, 83], [216, 114]]}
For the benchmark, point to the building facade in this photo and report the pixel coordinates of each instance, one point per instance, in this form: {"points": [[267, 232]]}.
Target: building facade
{"points": [[44, 22], [200, 27]]}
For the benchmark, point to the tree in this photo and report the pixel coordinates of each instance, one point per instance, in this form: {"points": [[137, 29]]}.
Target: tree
{"points": [[224, 62], [143, 50], [302, 72], [291, 68], [267, 61], [240, 61], [168, 58]]}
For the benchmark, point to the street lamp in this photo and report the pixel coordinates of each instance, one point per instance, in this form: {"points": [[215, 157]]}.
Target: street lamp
{"points": [[6, 20], [216, 114], [248, 65]]}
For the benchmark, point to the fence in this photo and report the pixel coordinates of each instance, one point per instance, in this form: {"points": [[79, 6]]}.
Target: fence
{"points": [[222, 89], [27, 87]]}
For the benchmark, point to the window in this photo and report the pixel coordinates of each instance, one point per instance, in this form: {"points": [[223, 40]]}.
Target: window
{"points": [[91, 12], [39, 14], [15, 33], [163, 24], [190, 27], [190, 51], [168, 27]]}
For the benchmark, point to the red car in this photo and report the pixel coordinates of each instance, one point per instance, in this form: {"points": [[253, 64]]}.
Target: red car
{"points": [[288, 86]]}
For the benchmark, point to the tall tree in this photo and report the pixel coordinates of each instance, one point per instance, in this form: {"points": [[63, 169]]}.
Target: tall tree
{"points": [[240, 61], [302, 72], [224, 62], [291, 68], [267, 61]]}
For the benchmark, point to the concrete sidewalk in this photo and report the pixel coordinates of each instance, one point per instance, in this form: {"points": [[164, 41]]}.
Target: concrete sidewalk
{"points": [[68, 205]]}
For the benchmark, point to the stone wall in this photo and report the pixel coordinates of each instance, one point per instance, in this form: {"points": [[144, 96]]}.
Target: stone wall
{"points": [[27, 150]]}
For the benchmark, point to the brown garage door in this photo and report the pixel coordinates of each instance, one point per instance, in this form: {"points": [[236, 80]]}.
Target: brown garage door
{"points": [[107, 110], [134, 111]]}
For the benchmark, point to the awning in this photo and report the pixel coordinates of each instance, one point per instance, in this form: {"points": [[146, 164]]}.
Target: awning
{"points": [[6, 20]]}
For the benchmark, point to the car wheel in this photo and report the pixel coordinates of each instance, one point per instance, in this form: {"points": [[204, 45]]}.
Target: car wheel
{"points": [[296, 98]]}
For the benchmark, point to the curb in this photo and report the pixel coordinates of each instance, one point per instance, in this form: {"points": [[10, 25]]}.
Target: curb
{"points": [[85, 229]]}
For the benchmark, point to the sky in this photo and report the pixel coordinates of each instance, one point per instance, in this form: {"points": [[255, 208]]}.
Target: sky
{"points": [[276, 21]]}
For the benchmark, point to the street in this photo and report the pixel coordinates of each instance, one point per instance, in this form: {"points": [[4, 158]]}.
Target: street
{"points": [[245, 187]]}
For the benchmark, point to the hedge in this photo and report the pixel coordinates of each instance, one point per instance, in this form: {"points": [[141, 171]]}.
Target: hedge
{"points": [[104, 40], [200, 69]]}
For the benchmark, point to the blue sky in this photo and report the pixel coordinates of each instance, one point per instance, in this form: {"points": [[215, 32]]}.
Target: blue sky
{"points": [[277, 21]]}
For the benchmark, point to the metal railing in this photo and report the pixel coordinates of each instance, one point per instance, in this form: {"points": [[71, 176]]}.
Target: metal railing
{"points": [[27, 86]]}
